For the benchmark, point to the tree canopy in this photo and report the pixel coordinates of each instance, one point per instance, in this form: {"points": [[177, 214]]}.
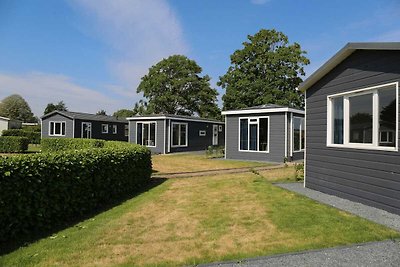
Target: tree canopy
{"points": [[60, 106], [175, 86], [101, 112], [124, 113], [15, 107], [267, 70]]}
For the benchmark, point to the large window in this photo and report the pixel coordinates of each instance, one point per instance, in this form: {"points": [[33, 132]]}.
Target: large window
{"points": [[253, 134], [179, 134], [365, 118], [104, 128], [298, 134], [146, 133], [57, 128]]}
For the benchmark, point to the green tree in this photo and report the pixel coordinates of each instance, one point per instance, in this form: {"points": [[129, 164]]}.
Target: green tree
{"points": [[175, 86], [124, 113], [101, 112], [267, 70], [15, 107], [60, 106]]}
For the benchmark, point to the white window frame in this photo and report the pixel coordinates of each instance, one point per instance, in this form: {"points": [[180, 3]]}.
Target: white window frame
{"points": [[102, 128], [54, 128], [126, 130], [202, 133], [220, 128], [115, 129], [375, 115], [301, 124], [258, 133], [172, 134], [155, 131]]}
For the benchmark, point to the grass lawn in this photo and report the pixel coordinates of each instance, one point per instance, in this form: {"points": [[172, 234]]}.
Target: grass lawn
{"points": [[191, 162], [197, 220]]}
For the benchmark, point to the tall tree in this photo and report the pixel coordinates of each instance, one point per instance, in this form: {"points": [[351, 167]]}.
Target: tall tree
{"points": [[267, 70], [15, 107], [124, 113], [60, 106], [175, 86], [101, 112]]}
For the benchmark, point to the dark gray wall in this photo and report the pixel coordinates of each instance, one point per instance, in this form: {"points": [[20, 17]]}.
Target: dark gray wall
{"points": [[276, 139], [160, 141], [96, 130], [367, 176], [196, 142], [57, 117]]}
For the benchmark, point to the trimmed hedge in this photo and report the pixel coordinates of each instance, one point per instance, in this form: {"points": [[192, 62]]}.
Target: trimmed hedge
{"points": [[64, 144], [34, 137], [41, 191], [13, 144]]}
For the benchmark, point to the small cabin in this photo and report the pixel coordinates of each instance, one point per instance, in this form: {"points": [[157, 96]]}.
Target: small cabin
{"points": [[270, 132], [8, 124]]}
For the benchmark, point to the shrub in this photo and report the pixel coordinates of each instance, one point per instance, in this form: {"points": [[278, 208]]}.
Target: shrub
{"points": [[41, 191], [34, 137], [215, 151], [299, 169], [64, 144], [13, 144]]}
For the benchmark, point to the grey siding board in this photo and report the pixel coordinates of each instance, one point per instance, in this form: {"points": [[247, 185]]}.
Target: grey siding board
{"points": [[367, 176], [160, 140], [57, 117], [276, 139]]}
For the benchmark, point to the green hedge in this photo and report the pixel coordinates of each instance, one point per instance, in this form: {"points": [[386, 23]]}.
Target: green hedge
{"points": [[41, 191], [34, 137], [13, 144], [64, 144]]}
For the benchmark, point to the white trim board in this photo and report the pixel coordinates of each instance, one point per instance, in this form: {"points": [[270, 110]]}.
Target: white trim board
{"points": [[172, 118], [262, 110]]}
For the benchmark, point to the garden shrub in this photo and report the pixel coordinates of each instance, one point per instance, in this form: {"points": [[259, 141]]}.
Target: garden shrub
{"points": [[13, 144], [215, 151], [64, 144], [34, 137], [41, 191]]}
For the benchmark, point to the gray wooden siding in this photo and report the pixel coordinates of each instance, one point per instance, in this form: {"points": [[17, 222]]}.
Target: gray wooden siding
{"points": [[196, 142], [57, 117], [97, 131], [276, 139], [367, 176], [160, 140]]}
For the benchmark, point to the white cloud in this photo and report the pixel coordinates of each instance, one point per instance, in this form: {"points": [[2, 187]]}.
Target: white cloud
{"points": [[39, 89], [259, 2], [140, 33]]}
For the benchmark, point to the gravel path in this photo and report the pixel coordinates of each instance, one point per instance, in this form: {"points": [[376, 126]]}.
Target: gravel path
{"points": [[386, 253], [370, 213]]}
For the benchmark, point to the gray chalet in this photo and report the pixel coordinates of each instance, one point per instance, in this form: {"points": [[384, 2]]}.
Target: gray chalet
{"points": [[265, 133], [83, 125], [352, 125], [173, 133]]}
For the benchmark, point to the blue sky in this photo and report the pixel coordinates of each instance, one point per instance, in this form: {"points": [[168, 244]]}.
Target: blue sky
{"points": [[92, 53]]}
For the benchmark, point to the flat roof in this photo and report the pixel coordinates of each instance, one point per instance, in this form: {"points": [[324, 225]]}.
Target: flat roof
{"points": [[267, 108], [341, 55], [84, 116], [173, 117]]}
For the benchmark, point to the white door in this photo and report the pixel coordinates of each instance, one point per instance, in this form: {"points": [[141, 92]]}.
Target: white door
{"points": [[86, 130], [215, 135]]}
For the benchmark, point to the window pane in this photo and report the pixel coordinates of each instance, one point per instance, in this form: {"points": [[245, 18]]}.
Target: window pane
{"points": [[253, 137], [263, 142], [63, 128], [175, 134], [126, 130], [139, 134], [57, 129], [145, 134], [337, 120], [152, 141], [387, 116], [51, 128], [296, 133], [361, 119], [244, 134], [183, 135]]}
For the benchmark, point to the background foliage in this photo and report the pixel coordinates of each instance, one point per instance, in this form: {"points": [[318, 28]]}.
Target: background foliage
{"points": [[13, 144]]}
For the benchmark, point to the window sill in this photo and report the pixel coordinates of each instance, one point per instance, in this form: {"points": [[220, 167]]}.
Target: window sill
{"points": [[364, 147], [254, 151], [178, 146]]}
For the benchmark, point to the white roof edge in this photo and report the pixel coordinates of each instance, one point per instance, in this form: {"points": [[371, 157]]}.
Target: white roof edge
{"points": [[342, 54], [172, 118], [261, 110], [4, 118]]}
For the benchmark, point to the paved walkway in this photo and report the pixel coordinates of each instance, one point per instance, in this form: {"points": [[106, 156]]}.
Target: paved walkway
{"points": [[216, 172], [385, 253]]}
